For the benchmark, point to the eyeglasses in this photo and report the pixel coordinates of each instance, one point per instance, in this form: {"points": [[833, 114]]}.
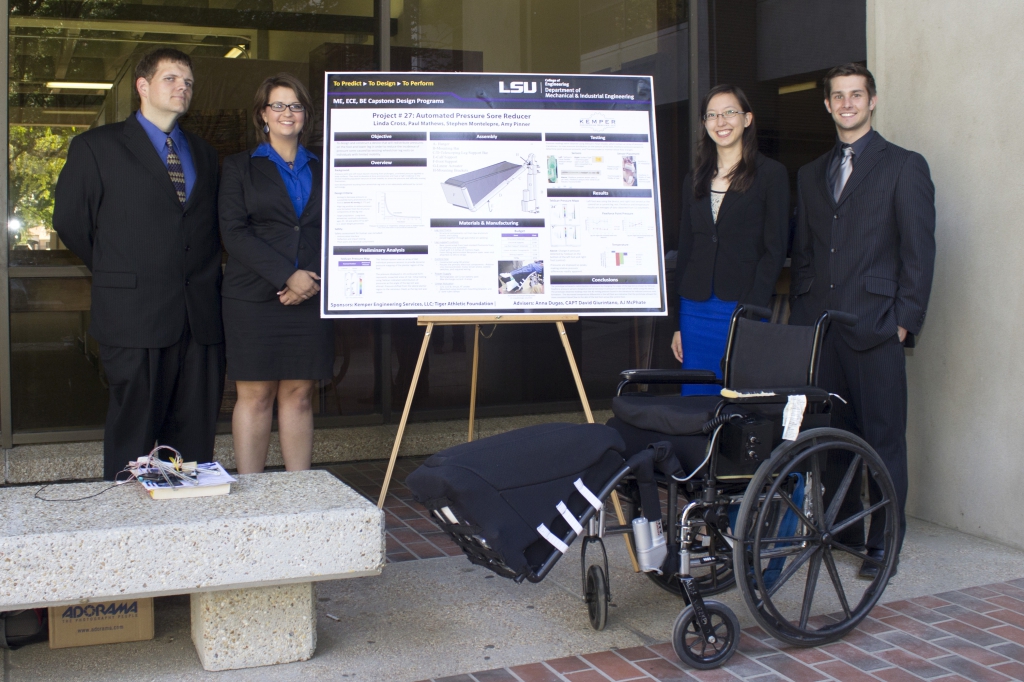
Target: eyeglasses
{"points": [[728, 115], [281, 106]]}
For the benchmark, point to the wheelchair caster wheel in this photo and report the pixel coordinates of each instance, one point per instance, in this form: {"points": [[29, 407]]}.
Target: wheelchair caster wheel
{"points": [[689, 643], [597, 597]]}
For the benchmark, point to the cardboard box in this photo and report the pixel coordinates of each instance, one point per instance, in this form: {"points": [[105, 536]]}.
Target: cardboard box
{"points": [[128, 620]]}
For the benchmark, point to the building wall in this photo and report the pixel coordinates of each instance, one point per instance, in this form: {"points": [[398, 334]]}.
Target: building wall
{"points": [[948, 75]]}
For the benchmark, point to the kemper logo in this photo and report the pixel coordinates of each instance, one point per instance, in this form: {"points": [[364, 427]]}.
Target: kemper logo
{"points": [[597, 123], [93, 610], [518, 87]]}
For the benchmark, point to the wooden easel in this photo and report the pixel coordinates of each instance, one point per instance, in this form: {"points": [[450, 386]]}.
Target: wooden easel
{"points": [[476, 320]]}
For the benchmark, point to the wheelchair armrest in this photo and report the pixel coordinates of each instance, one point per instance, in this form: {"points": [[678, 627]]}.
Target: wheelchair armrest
{"points": [[667, 376], [774, 395]]}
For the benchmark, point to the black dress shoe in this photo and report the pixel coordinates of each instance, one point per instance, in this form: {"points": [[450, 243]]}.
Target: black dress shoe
{"points": [[869, 571]]}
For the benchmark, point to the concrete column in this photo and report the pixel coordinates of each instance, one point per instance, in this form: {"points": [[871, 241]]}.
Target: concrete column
{"points": [[948, 75], [253, 627]]}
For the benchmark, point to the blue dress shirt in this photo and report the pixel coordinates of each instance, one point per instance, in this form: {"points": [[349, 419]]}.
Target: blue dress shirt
{"points": [[298, 180], [159, 140]]}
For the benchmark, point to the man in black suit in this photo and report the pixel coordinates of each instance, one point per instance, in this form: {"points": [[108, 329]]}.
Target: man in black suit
{"points": [[137, 202], [865, 244]]}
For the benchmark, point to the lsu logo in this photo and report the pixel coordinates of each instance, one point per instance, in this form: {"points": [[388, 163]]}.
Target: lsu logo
{"points": [[518, 87]]}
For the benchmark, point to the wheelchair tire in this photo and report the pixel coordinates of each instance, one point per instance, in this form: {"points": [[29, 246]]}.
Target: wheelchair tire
{"points": [[688, 641], [777, 587], [597, 597]]}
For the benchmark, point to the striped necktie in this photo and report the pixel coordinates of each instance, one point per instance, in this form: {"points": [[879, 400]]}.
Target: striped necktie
{"points": [[845, 171], [175, 171]]}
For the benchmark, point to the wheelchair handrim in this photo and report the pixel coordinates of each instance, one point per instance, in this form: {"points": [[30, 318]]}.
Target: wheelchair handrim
{"points": [[792, 456]]}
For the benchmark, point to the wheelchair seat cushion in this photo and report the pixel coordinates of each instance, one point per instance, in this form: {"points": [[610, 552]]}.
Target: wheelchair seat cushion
{"points": [[673, 415], [506, 485], [689, 450]]}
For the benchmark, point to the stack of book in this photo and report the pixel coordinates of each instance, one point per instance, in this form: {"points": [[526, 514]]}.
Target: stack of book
{"points": [[194, 480]]}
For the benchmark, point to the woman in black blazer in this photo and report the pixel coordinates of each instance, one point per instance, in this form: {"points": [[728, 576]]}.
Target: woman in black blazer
{"points": [[732, 233], [277, 345]]}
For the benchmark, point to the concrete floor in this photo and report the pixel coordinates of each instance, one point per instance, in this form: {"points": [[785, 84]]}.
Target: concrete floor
{"points": [[437, 617]]}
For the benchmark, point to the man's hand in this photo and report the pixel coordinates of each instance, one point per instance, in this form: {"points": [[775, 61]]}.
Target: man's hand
{"points": [[901, 333], [677, 346], [289, 297]]}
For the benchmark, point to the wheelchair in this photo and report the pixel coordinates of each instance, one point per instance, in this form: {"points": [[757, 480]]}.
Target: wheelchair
{"points": [[744, 488]]}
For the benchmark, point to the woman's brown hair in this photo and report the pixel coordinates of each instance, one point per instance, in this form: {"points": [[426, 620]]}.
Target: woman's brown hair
{"points": [[262, 99], [706, 168]]}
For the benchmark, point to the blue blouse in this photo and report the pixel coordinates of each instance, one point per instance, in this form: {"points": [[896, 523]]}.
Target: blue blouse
{"points": [[298, 180]]}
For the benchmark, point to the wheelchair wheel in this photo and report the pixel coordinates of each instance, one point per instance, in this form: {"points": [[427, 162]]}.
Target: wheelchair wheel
{"points": [[689, 643], [597, 597], [799, 581], [711, 580]]}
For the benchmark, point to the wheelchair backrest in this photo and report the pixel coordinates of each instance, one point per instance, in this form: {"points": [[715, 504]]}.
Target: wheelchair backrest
{"points": [[762, 355]]}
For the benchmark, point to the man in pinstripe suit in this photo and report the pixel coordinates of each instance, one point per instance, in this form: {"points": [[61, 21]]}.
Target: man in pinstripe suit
{"points": [[865, 244]]}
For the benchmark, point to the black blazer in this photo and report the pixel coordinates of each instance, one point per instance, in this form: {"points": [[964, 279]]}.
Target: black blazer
{"points": [[154, 262], [872, 253], [743, 253], [259, 228]]}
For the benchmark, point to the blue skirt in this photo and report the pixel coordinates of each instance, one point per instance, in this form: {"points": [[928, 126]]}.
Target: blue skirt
{"points": [[704, 330]]}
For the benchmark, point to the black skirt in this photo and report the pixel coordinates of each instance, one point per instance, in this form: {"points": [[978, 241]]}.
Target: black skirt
{"points": [[269, 341]]}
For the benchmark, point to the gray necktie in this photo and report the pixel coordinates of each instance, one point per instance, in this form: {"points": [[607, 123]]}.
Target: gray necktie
{"points": [[845, 170]]}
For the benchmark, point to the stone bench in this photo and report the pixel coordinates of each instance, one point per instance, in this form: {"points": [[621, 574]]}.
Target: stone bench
{"points": [[248, 559]]}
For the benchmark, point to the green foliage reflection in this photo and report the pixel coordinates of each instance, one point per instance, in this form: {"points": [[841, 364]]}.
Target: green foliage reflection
{"points": [[37, 155]]}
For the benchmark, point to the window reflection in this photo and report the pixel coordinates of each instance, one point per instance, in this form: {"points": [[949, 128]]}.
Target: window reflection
{"points": [[56, 377], [71, 67]]}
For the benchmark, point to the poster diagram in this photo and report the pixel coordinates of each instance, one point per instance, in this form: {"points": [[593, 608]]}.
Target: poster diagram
{"points": [[458, 193]]}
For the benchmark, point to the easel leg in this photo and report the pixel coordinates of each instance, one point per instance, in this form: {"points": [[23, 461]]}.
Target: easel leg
{"points": [[590, 419], [405, 413], [575, 372], [472, 385]]}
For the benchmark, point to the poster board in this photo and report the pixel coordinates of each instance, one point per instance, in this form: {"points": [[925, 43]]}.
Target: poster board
{"points": [[468, 193]]}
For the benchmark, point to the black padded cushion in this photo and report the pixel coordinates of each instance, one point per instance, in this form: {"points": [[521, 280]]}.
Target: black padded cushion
{"points": [[673, 415], [509, 484], [689, 450], [770, 355]]}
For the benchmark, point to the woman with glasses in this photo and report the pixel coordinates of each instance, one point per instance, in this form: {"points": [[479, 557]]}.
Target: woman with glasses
{"points": [[732, 232], [277, 345]]}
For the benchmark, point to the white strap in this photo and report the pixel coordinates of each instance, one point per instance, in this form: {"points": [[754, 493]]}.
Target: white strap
{"points": [[585, 492], [569, 518], [550, 537], [793, 416]]}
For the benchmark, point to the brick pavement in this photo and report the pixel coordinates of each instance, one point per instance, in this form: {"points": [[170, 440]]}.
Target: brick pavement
{"points": [[974, 634], [410, 532]]}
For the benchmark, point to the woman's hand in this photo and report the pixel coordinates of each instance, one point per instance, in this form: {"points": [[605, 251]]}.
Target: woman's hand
{"points": [[304, 283], [289, 297], [677, 346]]}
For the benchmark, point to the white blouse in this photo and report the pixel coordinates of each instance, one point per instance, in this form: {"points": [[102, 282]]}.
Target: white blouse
{"points": [[716, 203]]}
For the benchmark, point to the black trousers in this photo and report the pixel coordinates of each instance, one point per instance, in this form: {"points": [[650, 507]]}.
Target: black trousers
{"points": [[167, 396], [874, 383]]}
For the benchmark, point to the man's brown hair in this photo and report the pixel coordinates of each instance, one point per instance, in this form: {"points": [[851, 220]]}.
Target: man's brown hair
{"points": [[262, 99], [851, 69], [147, 66]]}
